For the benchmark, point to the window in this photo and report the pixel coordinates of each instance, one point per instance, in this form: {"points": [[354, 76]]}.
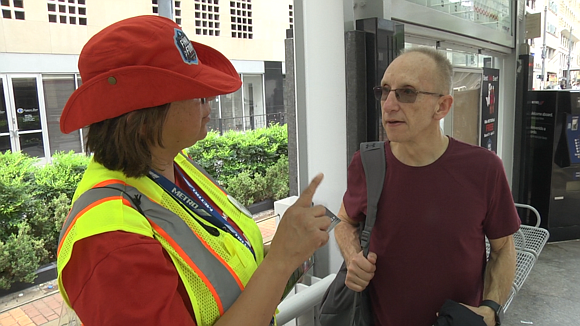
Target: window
{"points": [[177, 11], [291, 16], [551, 29], [73, 12], [207, 17], [553, 6], [254, 110], [241, 13], [57, 89], [232, 114], [244, 109], [12, 9]]}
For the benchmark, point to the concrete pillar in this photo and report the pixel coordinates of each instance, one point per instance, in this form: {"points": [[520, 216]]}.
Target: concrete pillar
{"points": [[356, 91], [321, 109], [290, 108]]}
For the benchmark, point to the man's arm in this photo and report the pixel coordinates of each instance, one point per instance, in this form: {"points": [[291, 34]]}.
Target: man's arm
{"points": [[346, 234], [501, 270], [360, 270], [499, 275]]}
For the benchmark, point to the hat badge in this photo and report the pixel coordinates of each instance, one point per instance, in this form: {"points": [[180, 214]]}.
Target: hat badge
{"points": [[185, 48]]}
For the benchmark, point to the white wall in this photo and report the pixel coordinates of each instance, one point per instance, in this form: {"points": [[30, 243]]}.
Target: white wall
{"points": [[38, 63]]}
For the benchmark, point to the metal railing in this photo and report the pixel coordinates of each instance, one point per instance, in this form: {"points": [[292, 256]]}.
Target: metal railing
{"points": [[303, 304], [246, 122]]}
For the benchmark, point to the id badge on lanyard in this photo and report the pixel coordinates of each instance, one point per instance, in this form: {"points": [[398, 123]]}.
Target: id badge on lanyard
{"points": [[199, 205]]}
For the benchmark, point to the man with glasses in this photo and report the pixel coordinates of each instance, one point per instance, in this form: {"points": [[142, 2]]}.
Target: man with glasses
{"points": [[441, 198]]}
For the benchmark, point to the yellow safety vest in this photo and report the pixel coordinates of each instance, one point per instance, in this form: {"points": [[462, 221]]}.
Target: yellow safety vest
{"points": [[115, 204]]}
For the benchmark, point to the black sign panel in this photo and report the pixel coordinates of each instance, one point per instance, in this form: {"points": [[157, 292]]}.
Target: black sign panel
{"points": [[489, 108]]}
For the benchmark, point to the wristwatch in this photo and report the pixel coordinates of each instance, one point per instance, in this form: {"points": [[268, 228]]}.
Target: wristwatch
{"points": [[496, 307]]}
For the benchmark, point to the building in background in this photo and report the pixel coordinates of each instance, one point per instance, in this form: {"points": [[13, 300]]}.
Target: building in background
{"points": [[562, 36], [40, 41]]}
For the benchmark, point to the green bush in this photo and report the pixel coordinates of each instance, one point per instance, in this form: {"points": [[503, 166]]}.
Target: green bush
{"points": [[60, 177], [20, 257], [248, 189], [277, 177], [46, 223], [35, 199], [253, 151], [16, 171]]}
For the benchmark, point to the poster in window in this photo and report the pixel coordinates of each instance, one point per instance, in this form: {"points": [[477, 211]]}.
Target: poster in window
{"points": [[489, 108]]}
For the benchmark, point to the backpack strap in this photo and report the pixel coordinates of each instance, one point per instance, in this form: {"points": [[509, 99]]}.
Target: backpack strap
{"points": [[375, 165]]}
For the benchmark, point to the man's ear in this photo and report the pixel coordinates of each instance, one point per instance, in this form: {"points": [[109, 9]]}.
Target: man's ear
{"points": [[444, 103]]}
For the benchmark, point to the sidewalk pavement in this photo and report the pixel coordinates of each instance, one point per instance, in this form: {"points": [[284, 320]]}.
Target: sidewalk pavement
{"points": [[42, 304], [37, 305], [551, 294]]}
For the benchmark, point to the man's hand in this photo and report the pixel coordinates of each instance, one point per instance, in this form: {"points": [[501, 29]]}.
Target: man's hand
{"points": [[486, 312], [360, 271]]}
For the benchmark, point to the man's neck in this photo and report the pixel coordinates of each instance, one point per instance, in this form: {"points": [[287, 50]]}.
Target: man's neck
{"points": [[420, 154]]}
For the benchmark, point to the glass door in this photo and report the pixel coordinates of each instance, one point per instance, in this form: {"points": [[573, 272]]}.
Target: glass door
{"points": [[5, 140], [465, 113], [25, 117]]}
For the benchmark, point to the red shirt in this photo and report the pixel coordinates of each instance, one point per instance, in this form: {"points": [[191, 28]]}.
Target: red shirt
{"points": [[120, 278], [430, 228]]}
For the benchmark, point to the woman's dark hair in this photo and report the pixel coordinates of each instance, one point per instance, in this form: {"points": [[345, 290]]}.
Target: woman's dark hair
{"points": [[123, 143]]}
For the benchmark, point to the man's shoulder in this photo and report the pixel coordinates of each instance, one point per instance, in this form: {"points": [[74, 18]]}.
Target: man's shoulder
{"points": [[472, 155], [462, 148]]}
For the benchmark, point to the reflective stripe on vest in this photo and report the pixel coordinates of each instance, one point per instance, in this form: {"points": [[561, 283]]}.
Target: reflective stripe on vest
{"points": [[220, 279]]}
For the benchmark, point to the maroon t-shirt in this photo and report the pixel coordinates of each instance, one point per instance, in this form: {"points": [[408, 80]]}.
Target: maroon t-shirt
{"points": [[430, 228]]}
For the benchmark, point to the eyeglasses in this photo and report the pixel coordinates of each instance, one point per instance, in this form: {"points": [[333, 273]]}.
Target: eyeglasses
{"points": [[403, 95]]}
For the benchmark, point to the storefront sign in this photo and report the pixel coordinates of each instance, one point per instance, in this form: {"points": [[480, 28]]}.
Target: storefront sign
{"points": [[489, 108], [533, 25]]}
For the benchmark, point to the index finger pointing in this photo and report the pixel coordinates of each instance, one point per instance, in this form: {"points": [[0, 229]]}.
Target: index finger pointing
{"points": [[305, 199]]}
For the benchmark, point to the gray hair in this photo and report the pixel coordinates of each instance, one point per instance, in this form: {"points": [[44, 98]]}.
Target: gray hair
{"points": [[444, 68]]}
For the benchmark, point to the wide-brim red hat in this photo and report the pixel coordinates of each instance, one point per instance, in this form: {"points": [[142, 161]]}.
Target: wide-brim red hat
{"points": [[143, 62]]}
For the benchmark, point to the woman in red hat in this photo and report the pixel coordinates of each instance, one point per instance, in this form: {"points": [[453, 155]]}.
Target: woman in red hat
{"points": [[151, 239]]}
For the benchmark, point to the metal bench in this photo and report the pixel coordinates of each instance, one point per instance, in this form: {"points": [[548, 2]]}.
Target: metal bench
{"points": [[529, 242]]}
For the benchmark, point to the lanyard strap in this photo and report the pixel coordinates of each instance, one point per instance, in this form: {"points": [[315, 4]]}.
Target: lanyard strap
{"points": [[198, 205]]}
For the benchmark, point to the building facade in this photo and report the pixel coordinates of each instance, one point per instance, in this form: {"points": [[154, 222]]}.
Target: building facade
{"points": [[40, 41], [561, 32]]}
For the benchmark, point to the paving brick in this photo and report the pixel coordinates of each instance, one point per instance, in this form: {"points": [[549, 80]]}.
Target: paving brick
{"points": [[8, 321], [267, 228], [39, 320], [46, 311], [17, 312], [27, 307], [23, 320], [27, 323], [39, 304], [30, 311], [52, 317], [54, 305], [48, 300]]}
